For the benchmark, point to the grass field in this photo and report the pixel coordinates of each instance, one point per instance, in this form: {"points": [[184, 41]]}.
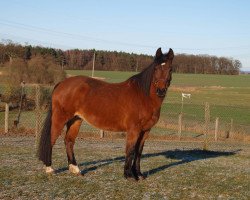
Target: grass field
{"points": [[216, 89], [178, 79], [228, 96], [175, 170]]}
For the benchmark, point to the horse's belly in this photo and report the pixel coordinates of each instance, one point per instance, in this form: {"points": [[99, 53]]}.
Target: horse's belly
{"points": [[102, 122]]}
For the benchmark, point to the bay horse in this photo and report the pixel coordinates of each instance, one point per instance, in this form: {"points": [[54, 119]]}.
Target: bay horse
{"points": [[132, 106]]}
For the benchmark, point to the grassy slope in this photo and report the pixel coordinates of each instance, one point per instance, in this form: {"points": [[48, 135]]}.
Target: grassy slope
{"points": [[178, 79], [229, 96]]}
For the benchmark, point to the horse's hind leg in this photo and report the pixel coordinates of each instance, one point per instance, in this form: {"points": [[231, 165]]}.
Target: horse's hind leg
{"points": [[73, 127], [58, 122]]}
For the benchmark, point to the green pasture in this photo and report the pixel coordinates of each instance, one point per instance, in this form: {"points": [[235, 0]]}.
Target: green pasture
{"points": [[110, 76], [199, 80], [206, 80], [228, 96]]}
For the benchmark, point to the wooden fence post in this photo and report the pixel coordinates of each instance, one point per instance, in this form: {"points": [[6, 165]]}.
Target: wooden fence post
{"points": [[179, 126], [38, 114], [207, 119], [231, 128], [216, 129], [101, 133], [6, 126]]}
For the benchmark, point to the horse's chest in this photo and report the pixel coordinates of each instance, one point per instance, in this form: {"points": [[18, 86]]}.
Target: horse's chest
{"points": [[149, 121]]}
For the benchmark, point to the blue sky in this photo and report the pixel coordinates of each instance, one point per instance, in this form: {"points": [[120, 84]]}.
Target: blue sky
{"points": [[214, 27]]}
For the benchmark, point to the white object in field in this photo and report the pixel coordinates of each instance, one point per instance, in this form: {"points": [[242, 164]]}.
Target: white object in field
{"points": [[184, 95]]}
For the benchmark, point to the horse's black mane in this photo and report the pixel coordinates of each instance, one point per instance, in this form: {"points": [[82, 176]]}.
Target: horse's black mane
{"points": [[144, 79]]}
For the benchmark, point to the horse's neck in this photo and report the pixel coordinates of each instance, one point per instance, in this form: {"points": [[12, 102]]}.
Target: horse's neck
{"points": [[156, 101], [153, 99]]}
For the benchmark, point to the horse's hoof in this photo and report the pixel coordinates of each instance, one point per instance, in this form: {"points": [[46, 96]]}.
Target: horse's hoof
{"points": [[142, 177], [131, 177], [74, 169], [49, 170]]}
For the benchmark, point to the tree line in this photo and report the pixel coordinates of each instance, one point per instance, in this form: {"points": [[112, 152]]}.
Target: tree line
{"points": [[116, 61]]}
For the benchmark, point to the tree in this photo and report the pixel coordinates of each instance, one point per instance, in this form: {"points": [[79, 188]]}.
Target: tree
{"points": [[39, 69], [237, 66], [113, 60], [27, 54], [17, 71]]}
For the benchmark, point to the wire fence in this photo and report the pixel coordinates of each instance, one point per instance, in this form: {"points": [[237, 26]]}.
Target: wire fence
{"points": [[24, 108]]}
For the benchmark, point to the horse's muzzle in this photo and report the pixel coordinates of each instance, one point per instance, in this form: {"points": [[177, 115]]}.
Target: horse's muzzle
{"points": [[161, 92]]}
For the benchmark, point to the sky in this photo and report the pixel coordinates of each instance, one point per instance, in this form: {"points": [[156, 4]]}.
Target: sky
{"points": [[213, 27]]}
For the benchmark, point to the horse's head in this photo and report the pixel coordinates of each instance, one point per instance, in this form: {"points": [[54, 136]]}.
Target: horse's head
{"points": [[162, 72]]}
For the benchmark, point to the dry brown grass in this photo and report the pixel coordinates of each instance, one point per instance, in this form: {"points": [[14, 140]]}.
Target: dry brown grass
{"points": [[194, 88]]}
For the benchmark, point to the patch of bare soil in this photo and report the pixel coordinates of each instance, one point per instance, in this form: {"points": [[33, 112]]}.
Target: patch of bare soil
{"points": [[194, 89], [99, 78]]}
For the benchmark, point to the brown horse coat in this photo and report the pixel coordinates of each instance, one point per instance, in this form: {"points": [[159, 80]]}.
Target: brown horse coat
{"points": [[90, 99]]}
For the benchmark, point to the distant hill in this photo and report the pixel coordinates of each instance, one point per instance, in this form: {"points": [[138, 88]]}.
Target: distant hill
{"points": [[244, 72]]}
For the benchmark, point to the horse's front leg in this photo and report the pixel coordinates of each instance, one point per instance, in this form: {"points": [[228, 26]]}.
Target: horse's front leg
{"points": [[136, 167], [131, 143]]}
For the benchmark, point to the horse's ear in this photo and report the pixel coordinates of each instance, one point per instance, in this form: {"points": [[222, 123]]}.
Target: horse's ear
{"points": [[170, 54], [158, 54]]}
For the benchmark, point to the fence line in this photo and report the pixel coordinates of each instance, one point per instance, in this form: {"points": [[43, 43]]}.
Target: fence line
{"points": [[197, 124], [39, 119], [6, 122], [179, 125], [216, 129]]}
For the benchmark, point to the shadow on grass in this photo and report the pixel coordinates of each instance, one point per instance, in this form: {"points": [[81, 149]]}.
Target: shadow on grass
{"points": [[182, 157], [185, 156]]}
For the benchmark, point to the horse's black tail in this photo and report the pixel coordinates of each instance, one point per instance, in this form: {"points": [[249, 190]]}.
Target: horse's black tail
{"points": [[45, 149]]}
